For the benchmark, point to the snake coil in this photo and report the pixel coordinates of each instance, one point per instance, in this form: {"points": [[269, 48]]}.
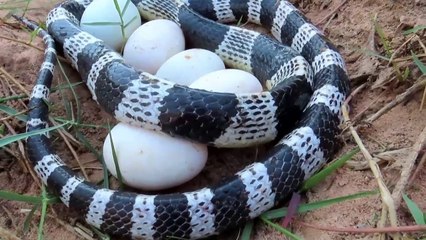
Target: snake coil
{"points": [[305, 76]]}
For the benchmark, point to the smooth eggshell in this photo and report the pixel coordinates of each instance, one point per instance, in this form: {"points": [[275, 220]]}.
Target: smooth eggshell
{"points": [[228, 80], [151, 160], [187, 66], [102, 11], [152, 44]]}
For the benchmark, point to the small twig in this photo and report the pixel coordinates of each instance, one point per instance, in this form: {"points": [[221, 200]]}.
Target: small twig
{"points": [[21, 42], [384, 191], [371, 42], [404, 59], [328, 22], [355, 92], [332, 12], [422, 104], [7, 235], [362, 112], [10, 216], [399, 49], [91, 168], [418, 169], [84, 231], [399, 99], [10, 151], [407, 168], [85, 163], [66, 133], [74, 153], [421, 43], [30, 45], [16, 82], [354, 230], [14, 115], [292, 209], [7, 77]]}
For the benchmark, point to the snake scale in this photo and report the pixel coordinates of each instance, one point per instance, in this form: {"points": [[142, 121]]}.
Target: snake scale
{"points": [[306, 78]]}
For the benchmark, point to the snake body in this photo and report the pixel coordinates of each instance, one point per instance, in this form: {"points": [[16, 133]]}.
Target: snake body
{"points": [[308, 79]]}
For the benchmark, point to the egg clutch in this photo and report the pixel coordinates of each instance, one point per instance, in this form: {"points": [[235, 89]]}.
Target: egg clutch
{"points": [[146, 159]]}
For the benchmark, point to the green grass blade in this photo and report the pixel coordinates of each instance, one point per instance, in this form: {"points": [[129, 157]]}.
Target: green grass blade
{"points": [[125, 7], [67, 107], [34, 33], [26, 7], [117, 166], [43, 213], [320, 176], [13, 112], [131, 20], [80, 125], [248, 229], [102, 23], [239, 22], [117, 8], [375, 54], [72, 91], [29, 218], [414, 30], [66, 86], [419, 63], [10, 139], [25, 198], [281, 229], [120, 13], [383, 38], [282, 212], [20, 198], [415, 211], [406, 73], [2, 129], [10, 98], [8, 6], [328, 202]]}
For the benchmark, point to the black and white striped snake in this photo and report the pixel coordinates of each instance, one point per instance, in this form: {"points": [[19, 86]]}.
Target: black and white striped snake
{"points": [[313, 84]]}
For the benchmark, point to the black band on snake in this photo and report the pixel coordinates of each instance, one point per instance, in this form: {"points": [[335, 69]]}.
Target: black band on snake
{"points": [[305, 76]]}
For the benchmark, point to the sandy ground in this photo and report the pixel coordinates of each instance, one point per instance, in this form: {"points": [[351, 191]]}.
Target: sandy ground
{"points": [[350, 28]]}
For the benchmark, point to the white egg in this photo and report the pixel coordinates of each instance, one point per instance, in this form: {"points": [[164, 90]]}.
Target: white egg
{"points": [[102, 20], [228, 80], [152, 44], [150, 160], [187, 66]]}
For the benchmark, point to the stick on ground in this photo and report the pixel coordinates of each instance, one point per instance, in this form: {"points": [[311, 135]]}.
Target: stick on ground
{"points": [[407, 168]]}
